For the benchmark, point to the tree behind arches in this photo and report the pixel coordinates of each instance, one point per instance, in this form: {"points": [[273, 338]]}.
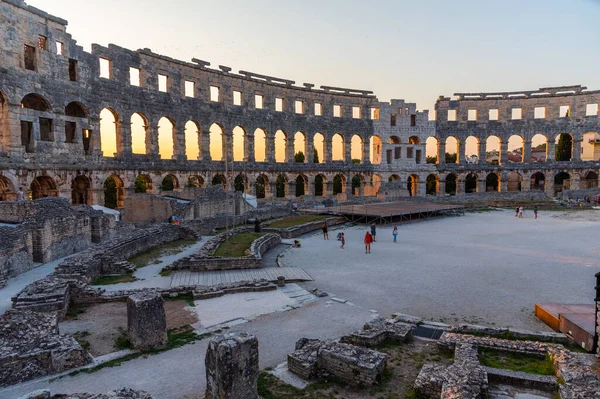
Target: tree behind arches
{"points": [[563, 148], [110, 193], [337, 184], [299, 157], [315, 156], [140, 186]]}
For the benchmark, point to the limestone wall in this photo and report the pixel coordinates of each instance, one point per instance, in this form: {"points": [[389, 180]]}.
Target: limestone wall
{"points": [[295, 231]]}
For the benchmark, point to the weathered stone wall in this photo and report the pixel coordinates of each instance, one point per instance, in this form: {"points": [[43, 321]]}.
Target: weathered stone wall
{"points": [[207, 225], [298, 230], [123, 393], [146, 208], [15, 252]]}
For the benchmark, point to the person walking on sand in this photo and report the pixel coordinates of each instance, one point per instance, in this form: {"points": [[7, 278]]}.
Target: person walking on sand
{"points": [[395, 233], [368, 240], [535, 211], [521, 212], [343, 240], [374, 231], [324, 228]]}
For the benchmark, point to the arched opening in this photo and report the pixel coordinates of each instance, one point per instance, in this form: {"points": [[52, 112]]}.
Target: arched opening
{"points": [[195, 182], [492, 182], [260, 145], [564, 147], [80, 190], [431, 187], [376, 148], [451, 184], [590, 180], [452, 148], [142, 184], [114, 192], [590, 147], [357, 183], [281, 186], [76, 110], [35, 102], [414, 140], [280, 146], [339, 184], [492, 150], [166, 131], [471, 183], [169, 183], [393, 140], [139, 133], [338, 150], [516, 149], [239, 144], [319, 183], [109, 136], [300, 183], [538, 181], [193, 140], [539, 148], [514, 182], [7, 190], [431, 150], [239, 184], [43, 186], [262, 186], [412, 185], [562, 181], [357, 149], [216, 142], [472, 149], [300, 150], [319, 148], [393, 178], [219, 179]]}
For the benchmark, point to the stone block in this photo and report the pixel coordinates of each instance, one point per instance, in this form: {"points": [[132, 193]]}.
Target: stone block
{"points": [[232, 366], [146, 321], [378, 331]]}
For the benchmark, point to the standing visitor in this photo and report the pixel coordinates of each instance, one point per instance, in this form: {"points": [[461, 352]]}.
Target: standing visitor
{"points": [[535, 211], [373, 231], [20, 195], [521, 212], [368, 240], [395, 233], [517, 212], [324, 228], [343, 240]]}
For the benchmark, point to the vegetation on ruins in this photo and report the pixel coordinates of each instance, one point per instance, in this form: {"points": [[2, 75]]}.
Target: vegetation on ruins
{"points": [[110, 193], [238, 244], [516, 361], [337, 184], [299, 157], [140, 185], [315, 155], [563, 148], [152, 255]]}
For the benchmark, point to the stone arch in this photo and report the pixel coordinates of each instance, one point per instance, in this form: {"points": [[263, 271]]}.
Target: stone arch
{"points": [[538, 181], [339, 184], [376, 149], [142, 184], [471, 182], [320, 184], [36, 102], [358, 181], [493, 145], [81, 187], [514, 182], [452, 150], [590, 180], [193, 140], [239, 144], [169, 183], [516, 149], [166, 137], [280, 145], [590, 146], [262, 186], [492, 182], [216, 133], [281, 186], [7, 189], [432, 150], [76, 109], [412, 185], [114, 192], [140, 125], [432, 185], [43, 186], [240, 182], [451, 184], [472, 149], [562, 181], [300, 146], [195, 181], [301, 185], [393, 178], [539, 148], [260, 145], [319, 145], [357, 149], [394, 140], [563, 150], [219, 179], [338, 147], [414, 140], [111, 140]]}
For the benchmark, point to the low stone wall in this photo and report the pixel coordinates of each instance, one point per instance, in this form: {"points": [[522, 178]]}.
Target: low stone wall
{"points": [[377, 332], [298, 230], [486, 197], [204, 259], [15, 253], [123, 393], [31, 347], [207, 225], [574, 194]]}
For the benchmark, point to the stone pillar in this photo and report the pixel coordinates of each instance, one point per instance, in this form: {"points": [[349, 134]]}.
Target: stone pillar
{"points": [[550, 151], [347, 151], [270, 148], [503, 184], [249, 151], [481, 185], [327, 144], [527, 151], [549, 184], [503, 153], [422, 191], [441, 188], [480, 157], [441, 153], [123, 138], [310, 151], [328, 189], [227, 140], [179, 144], [366, 151], [526, 183], [310, 187], [232, 366], [459, 154], [289, 150], [152, 141], [205, 146], [291, 189], [146, 321], [460, 186], [576, 153], [272, 194]]}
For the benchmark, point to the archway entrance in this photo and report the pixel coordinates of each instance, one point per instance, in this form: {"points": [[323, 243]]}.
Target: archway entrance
{"points": [[43, 186], [561, 182], [114, 192], [538, 181], [451, 184], [471, 183], [492, 183], [431, 185], [7, 191], [80, 188]]}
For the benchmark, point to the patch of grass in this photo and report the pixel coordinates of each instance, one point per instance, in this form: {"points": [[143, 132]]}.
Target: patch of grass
{"points": [[74, 311], [516, 361], [414, 394], [238, 244], [151, 256], [296, 220], [188, 297], [270, 387], [80, 337], [165, 272], [122, 341], [116, 279]]}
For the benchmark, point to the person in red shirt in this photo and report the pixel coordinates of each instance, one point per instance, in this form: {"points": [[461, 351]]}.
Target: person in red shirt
{"points": [[368, 241]]}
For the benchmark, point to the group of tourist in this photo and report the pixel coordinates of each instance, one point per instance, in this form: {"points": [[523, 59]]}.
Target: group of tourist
{"points": [[370, 236], [519, 211]]}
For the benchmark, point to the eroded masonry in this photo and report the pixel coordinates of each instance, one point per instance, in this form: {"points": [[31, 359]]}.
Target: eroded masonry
{"points": [[68, 123]]}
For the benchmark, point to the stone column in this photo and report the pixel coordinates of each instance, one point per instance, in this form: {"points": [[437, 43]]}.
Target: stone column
{"points": [[227, 140], [270, 148], [422, 188], [348, 151], [146, 321], [480, 156], [527, 151], [205, 146], [328, 189], [481, 185], [460, 186], [327, 150], [576, 153], [152, 141], [526, 183], [459, 154], [441, 188], [550, 151], [441, 152], [249, 151], [232, 366], [310, 150], [123, 139], [503, 153], [289, 149], [272, 194], [291, 189], [549, 184], [503, 184], [179, 144]]}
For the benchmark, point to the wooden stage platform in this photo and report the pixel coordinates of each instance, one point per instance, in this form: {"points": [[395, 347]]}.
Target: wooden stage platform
{"points": [[574, 320], [389, 212]]}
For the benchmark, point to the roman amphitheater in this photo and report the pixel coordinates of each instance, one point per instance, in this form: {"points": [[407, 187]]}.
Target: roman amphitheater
{"points": [[152, 139]]}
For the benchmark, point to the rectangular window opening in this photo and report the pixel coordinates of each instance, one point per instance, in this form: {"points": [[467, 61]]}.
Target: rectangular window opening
{"points": [[237, 97], [86, 136], [72, 70], [493, 115], [539, 113], [472, 115], [516, 114], [163, 83], [356, 114], [46, 129], [105, 68], [318, 109], [452, 115], [591, 110], [564, 112], [393, 120], [413, 120], [135, 76], [60, 48], [299, 107], [278, 104], [42, 42], [30, 58], [337, 111], [258, 101], [27, 135], [397, 152], [214, 94], [70, 128], [409, 152], [374, 114], [406, 111]]}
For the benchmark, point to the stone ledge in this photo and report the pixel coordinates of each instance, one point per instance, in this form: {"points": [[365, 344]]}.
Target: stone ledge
{"points": [[298, 230], [519, 378], [377, 332]]}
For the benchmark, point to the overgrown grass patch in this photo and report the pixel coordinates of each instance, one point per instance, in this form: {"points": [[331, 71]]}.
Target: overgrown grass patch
{"points": [[152, 255], [188, 297], [122, 341], [165, 272], [516, 361], [296, 220], [237, 245], [114, 279], [80, 337]]}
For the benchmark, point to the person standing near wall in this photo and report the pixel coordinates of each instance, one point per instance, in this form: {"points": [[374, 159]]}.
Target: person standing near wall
{"points": [[374, 231]]}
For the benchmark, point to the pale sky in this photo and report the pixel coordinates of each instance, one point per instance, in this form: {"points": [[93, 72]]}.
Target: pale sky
{"points": [[415, 50]]}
